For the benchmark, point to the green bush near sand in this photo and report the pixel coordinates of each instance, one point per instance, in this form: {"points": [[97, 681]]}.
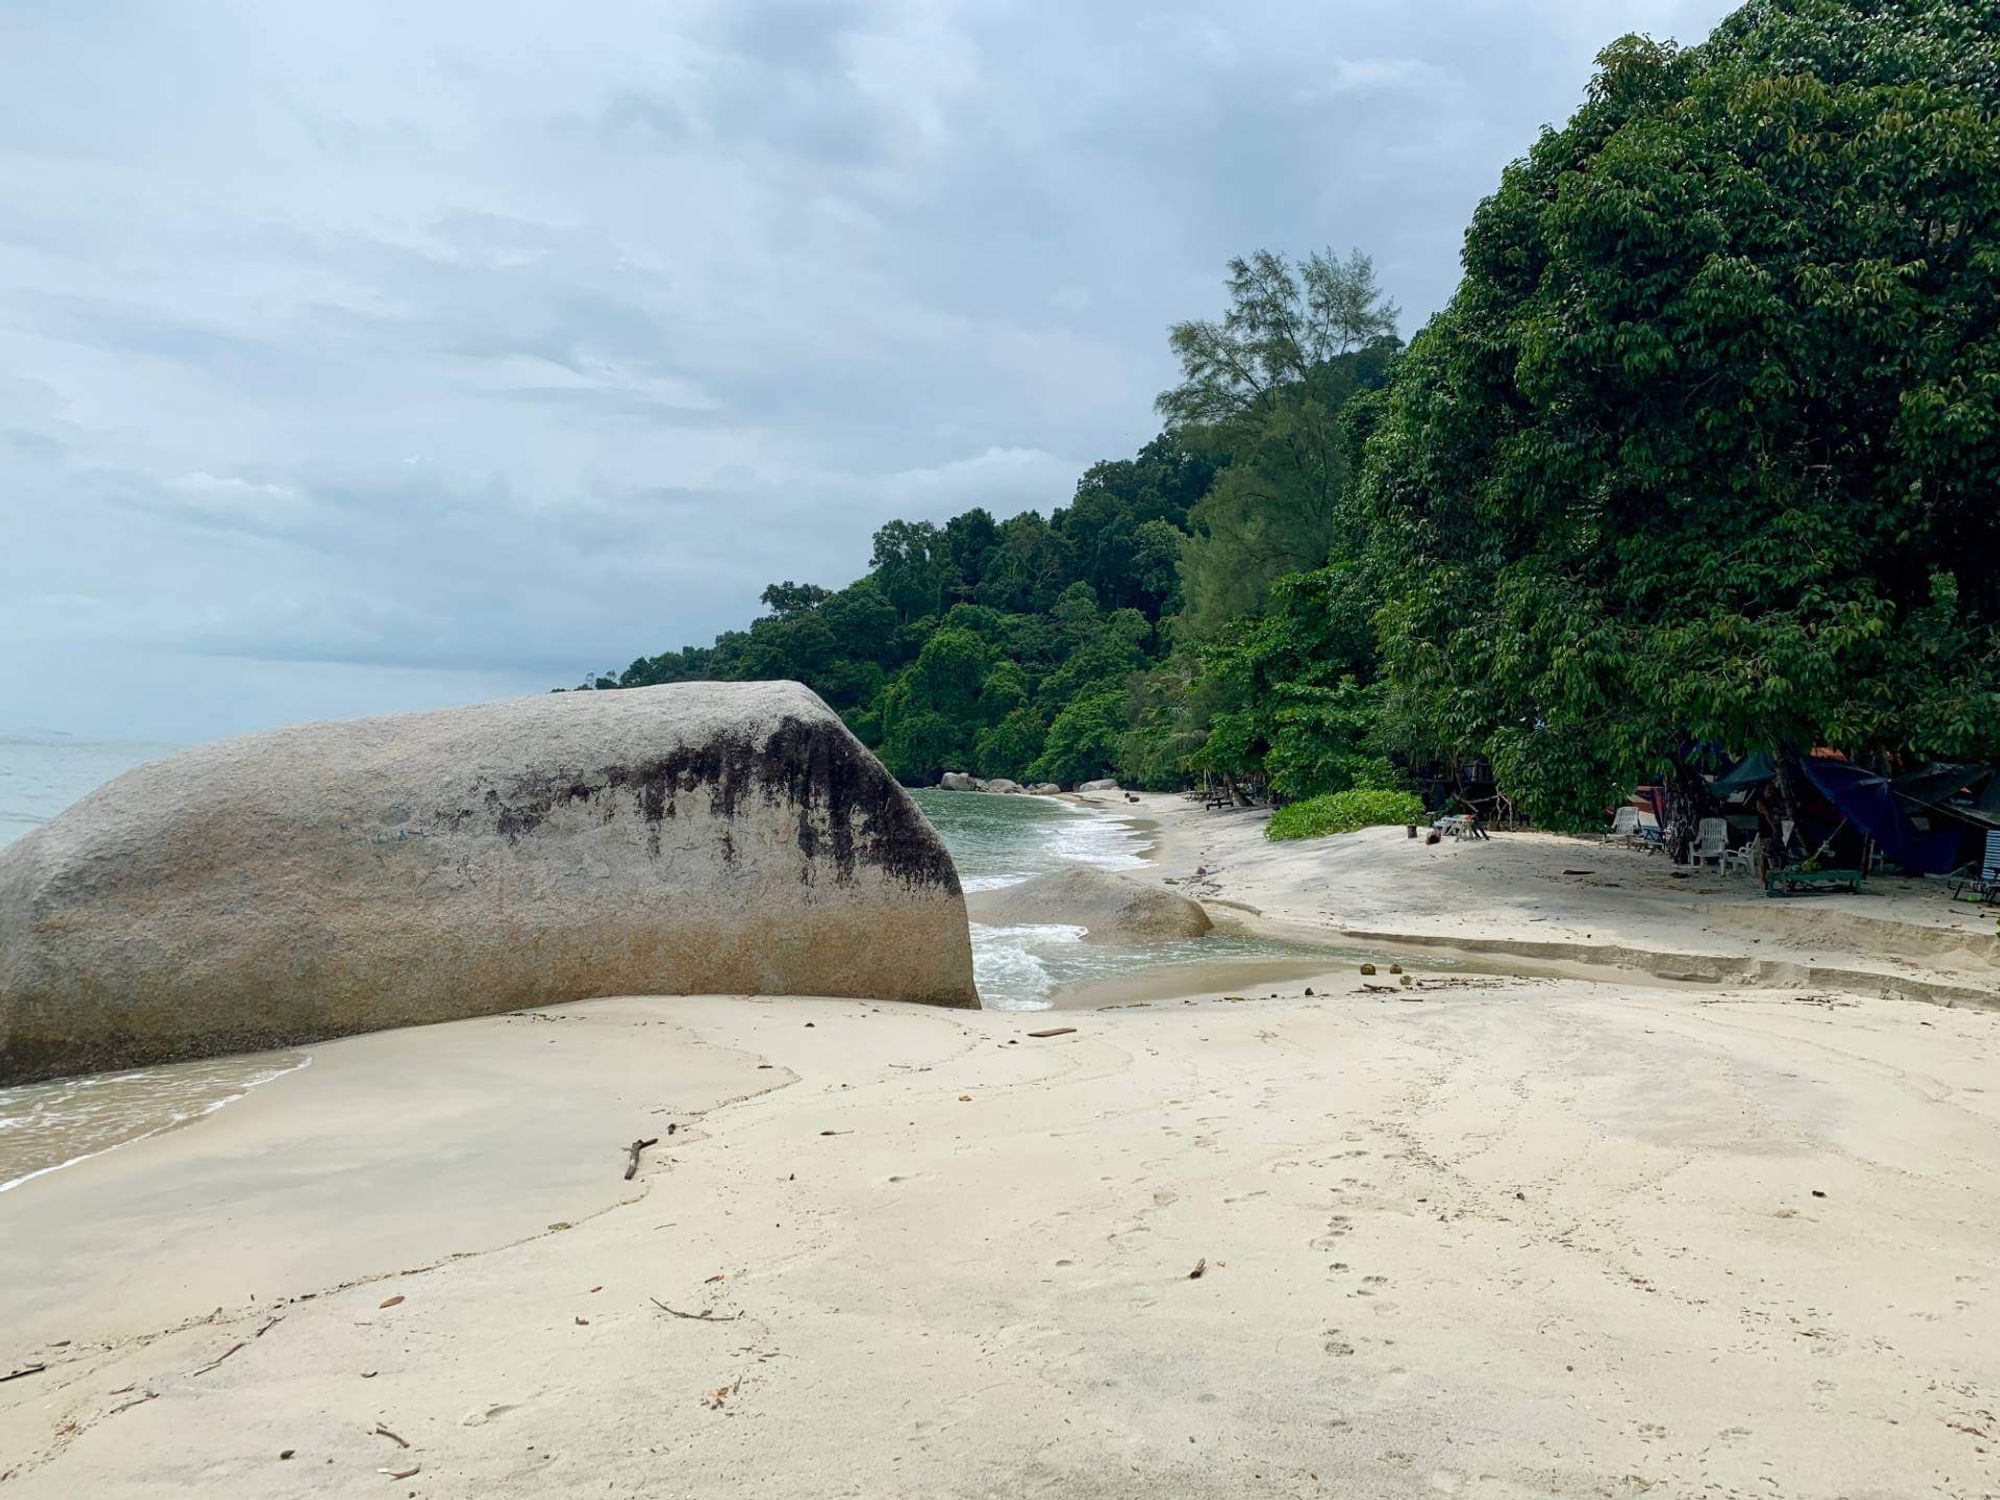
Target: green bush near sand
{"points": [[1343, 812]]}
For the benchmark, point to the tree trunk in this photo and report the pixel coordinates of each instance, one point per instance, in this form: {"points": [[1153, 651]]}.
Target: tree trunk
{"points": [[1789, 778], [1685, 793]]}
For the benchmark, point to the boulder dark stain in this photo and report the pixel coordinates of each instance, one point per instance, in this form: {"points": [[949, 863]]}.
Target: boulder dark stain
{"points": [[848, 811]]}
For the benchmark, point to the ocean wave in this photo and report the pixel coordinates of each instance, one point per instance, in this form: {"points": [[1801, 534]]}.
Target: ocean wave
{"points": [[1105, 841], [45, 1127], [1010, 971]]}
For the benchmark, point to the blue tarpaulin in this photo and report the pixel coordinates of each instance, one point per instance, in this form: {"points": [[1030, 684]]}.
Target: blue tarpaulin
{"points": [[1869, 802], [1751, 772]]}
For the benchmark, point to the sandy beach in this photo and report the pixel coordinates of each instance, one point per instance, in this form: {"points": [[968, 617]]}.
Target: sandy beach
{"points": [[1668, 1189]]}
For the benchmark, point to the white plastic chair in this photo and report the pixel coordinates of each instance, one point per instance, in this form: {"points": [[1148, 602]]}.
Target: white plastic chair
{"points": [[1625, 822], [1711, 843]]}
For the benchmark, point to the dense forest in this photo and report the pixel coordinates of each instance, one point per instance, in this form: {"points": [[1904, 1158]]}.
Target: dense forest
{"points": [[1703, 457]]}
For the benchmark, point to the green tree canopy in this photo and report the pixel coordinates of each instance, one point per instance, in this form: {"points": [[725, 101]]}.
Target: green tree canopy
{"points": [[1707, 445]]}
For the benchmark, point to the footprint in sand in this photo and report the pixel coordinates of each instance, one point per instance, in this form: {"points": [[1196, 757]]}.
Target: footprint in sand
{"points": [[480, 1417], [1335, 1228], [1116, 1239]]}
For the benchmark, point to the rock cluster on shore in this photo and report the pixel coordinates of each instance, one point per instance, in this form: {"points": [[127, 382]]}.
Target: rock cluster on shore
{"points": [[959, 781], [335, 878]]}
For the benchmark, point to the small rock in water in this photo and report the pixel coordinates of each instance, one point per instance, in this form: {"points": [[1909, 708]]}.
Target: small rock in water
{"points": [[1368, 968], [1395, 968]]}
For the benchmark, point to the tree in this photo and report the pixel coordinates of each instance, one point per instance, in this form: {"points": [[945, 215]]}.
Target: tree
{"points": [[788, 599], [1282, 324], [1705, 447], [1083, 739], [912, 566], [1010, 747], [864, 622], [1124, 524], [1264, 390]]}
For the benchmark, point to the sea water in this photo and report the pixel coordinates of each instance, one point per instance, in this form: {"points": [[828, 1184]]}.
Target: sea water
{"points": [[41, 774], [1001, 840]]}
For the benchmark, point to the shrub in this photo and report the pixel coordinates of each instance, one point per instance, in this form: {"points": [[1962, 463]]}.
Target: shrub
{"points": [[1343, 812]]}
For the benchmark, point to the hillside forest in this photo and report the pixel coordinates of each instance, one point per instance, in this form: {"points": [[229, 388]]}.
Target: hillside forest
{"points": [[1702, 458]]}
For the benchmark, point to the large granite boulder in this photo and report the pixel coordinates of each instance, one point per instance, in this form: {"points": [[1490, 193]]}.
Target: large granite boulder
{"points": [[333, 878], [1110, 908], [958, 781]]}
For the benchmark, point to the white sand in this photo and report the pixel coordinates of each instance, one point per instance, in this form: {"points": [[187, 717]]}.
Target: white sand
{"points": [[1518, 1237], [1587, 904]]}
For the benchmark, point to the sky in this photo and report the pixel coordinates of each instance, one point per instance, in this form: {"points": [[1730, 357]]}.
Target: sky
{"points": [[382, 356]]}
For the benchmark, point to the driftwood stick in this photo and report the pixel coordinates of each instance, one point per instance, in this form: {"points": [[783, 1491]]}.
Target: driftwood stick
{"points": [[707, 1315], [632, 1166], [21, 1373], [395, 1437], [243, 1344]]}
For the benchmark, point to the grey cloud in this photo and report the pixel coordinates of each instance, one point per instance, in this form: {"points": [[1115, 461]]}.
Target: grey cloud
{"points": [[382, 355]]}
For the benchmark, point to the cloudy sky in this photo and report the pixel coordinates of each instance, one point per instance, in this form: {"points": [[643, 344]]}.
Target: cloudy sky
{"points": [[373, 356]]}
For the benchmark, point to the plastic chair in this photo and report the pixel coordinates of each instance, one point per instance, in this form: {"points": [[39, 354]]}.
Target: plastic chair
{"points": [[1711, 843]]}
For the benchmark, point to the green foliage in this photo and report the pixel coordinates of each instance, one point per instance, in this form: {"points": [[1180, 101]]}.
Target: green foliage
{"points": [[1707, 444], [1011, 746], [1289, 695], [1083, 741], [1343, 812]]}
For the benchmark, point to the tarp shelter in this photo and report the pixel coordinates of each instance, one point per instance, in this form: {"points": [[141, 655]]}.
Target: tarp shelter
{"points": [[1870, 803], [1753, 771], [1968, 792]]}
